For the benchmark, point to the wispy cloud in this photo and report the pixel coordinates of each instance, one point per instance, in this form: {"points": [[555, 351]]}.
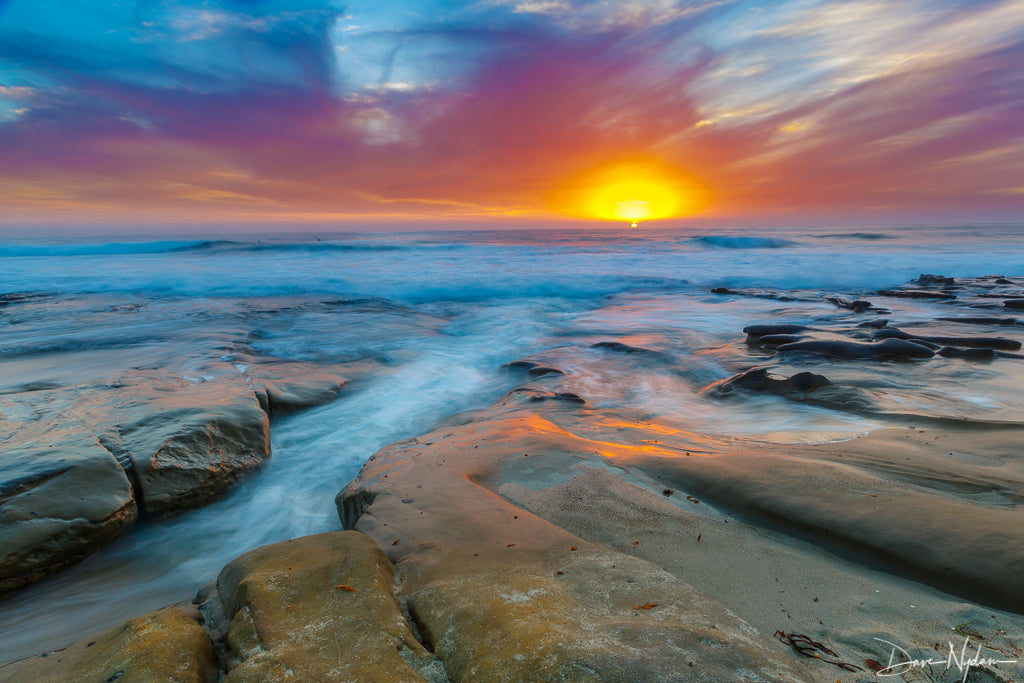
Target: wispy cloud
{"points": [[303, 107]]}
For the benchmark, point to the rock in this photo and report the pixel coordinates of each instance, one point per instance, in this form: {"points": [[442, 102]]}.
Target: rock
{"points": [[1000, 343], [980, 320], [931, 280], [189, 441], [916, 294], [319, 608], [857, 306], [619, 347], [754, 293], [291, 385], [62, 497], [161, 646], [1016, 304], [776, 339], [765, 330], [758, 379], [502, 595], [967, 354], [890, 349], [532, 368], [876, 324]]}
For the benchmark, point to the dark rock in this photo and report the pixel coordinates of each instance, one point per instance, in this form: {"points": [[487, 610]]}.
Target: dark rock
{"points": [[999, 343], [520, 365], [764, 330], [857, 306], [758, 379], [619, 347], [967, 354], [980, 320], [916, 294], [876, 324], [1016, 304], [777, 339], [931, 280], [890, 349], [541, 370]]}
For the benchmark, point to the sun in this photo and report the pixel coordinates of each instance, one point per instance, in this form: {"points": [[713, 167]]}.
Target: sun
{"points": [[633, 190]]}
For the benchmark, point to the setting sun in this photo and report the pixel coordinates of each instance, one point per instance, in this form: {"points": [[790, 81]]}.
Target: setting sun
{"points": [[633, 190]]}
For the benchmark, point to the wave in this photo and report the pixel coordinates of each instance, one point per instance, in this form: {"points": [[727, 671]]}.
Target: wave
{"points": [[737, 242], [858, 236], [204, 247], [107, 249]]}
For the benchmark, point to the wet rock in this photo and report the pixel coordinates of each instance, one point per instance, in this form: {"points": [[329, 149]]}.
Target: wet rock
{"points": [[189, 441], [916, 294], [967, 354], [532, 368], [758, 379], [619, 347], [1016, 304], [777, 339], [319, 608], [756, 293], [857, 306], [756, 331], [980, 320], [62, 497], [161, 646], [876, 324], [291, 386], [890, 349], [932, 280], [1000, 343]]}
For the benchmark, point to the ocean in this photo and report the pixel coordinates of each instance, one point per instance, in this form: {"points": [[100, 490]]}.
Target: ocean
{"points": [[437, 315]]}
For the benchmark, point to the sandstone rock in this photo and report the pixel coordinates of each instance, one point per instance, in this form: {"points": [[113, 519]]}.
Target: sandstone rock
{"points": [[502, 595], [161, 646], [292, 385], [189, 441], [319, 608], [62, 497]]}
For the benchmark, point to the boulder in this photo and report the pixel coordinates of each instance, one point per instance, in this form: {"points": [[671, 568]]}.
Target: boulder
{"points": [[189, 441], [62, 497], [758, 379], [319, 608], [166, 645], [765, 330]]}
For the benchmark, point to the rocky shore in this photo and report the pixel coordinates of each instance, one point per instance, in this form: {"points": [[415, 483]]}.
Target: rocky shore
{"points": [[549, 538]]}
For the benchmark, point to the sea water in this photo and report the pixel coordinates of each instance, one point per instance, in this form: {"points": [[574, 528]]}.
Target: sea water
{"points": [[438, 314]]}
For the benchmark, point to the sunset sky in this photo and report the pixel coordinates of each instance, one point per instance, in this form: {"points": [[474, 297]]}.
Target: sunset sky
{"points": [[387, 111]]}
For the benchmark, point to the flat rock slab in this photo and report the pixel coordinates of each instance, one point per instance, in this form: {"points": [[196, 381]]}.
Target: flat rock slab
{"points": [[319, 608], [166, 645], [503, 595]]}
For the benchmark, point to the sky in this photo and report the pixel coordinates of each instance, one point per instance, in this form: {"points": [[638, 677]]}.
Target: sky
{"points": [[382, 112]]}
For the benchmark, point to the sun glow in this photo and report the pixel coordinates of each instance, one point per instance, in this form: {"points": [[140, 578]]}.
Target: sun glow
{"points": [[634, 190]]}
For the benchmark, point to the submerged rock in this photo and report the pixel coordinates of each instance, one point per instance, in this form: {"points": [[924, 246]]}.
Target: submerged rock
{"points": [[756, 331], [916, 294], [166, 645], [890, 349], [758, 379]]}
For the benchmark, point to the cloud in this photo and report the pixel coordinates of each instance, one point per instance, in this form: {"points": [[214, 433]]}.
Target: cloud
{"points": [[250, 108]]}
